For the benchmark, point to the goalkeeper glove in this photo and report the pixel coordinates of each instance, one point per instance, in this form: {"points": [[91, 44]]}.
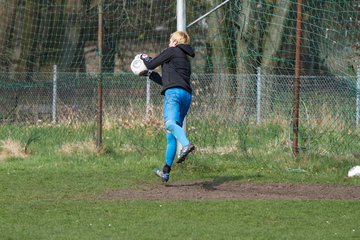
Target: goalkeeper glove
{"points": [[145, 57]]}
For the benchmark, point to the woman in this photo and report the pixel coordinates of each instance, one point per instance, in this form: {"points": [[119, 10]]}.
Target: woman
{"points": [[175, 79]]}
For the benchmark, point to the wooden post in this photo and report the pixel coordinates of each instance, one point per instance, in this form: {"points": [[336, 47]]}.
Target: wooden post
{"points": [[297, 81], [99, 90]]}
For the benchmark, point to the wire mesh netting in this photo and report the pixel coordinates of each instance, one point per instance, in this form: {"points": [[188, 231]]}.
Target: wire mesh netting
{"points": [[243, 72], [131, 101]]}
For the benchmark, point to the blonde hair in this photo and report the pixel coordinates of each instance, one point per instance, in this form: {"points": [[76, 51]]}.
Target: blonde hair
{"points": [[181, 37]]}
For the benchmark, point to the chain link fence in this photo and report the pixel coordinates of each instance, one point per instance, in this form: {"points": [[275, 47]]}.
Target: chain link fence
{"points": [[229, 109]]}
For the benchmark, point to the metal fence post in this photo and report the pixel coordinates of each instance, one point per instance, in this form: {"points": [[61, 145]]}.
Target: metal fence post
{"points": [[100, 75], [358, 97], [54, 95], [258, 93], [297, 80], [181, 15], [148, 95], [181, 26]]}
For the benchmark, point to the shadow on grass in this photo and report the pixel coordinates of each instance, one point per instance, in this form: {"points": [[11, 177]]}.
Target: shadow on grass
{"points": [[215, 182]]}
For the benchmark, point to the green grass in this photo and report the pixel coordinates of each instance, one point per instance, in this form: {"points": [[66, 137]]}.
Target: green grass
{"points": [[245, 219], [51, 195]]}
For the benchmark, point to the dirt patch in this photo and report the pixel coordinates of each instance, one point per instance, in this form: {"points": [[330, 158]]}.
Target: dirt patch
{"points": [[235, 190]]}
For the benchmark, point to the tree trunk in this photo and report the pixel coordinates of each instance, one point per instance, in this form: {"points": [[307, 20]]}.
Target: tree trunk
{"points": [[71, 24], [273, 39], [8, 11], [52, 35], [310, 46], [216, 64], [248, 39], [79, 61], [111, 36], [245, 37], [272, 44], [30, 38]]}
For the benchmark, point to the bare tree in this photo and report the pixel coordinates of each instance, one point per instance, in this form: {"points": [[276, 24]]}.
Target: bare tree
{"points": [[8, 11], [71, 49], [30, 38], [216, 64], [111, 34], [272, 40]]}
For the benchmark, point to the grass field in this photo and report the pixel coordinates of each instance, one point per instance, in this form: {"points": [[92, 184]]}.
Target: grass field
{"points": [[52, 191], [244, 219]]}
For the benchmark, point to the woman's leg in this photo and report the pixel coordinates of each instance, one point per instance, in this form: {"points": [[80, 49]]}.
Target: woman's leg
{"points": [[170, 149], [174, 113], [176, 105], [185, 105]]}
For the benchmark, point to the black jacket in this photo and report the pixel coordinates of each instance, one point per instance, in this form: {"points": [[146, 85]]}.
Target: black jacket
{"points": [[176, 67]]}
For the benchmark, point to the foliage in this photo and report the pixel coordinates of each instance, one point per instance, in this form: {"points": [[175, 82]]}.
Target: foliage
{"points": [[53, 194], [237, 38]]}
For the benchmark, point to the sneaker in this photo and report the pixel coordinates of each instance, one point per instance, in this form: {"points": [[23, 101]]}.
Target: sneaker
{"points": [[159, 173], [185, 151]]}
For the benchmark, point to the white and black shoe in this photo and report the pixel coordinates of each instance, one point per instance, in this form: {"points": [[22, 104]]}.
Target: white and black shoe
{"points": [[184, 152], [159, 173]]}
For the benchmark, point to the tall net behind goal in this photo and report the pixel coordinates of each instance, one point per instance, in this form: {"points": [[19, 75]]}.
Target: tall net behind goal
{"points": [[243, 72]]}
